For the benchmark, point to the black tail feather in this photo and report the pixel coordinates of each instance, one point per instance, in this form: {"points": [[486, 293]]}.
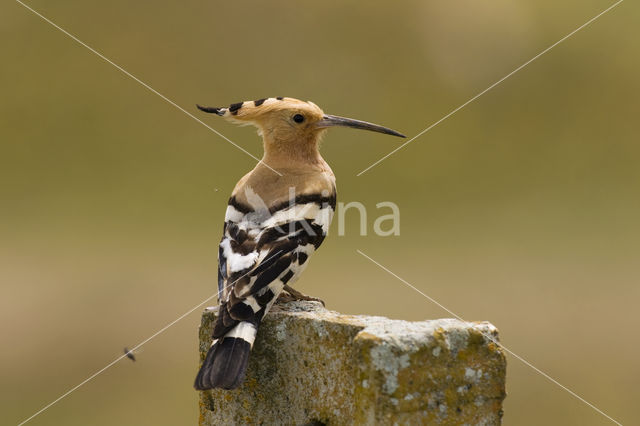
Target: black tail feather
{"points": [[225, 365], [203, 380]]}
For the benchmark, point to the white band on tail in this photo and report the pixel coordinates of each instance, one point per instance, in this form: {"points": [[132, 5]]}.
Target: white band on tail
{"points": [[245, 331]]}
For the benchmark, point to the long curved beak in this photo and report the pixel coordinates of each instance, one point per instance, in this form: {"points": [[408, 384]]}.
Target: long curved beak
{"points": [[334, 120]]}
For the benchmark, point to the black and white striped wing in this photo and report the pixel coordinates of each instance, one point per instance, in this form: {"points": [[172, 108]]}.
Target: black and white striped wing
{"points": [[262, 250]]}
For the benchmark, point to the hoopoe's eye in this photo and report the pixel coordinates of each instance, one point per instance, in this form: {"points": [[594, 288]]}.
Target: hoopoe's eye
{"points": [[298, 118]]}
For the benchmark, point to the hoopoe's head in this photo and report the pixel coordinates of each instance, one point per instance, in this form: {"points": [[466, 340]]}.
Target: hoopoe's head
{"points": [[288, 123]]}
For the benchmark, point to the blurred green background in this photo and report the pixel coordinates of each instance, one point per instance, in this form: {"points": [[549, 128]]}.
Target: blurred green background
{"points": [[521, 209]]}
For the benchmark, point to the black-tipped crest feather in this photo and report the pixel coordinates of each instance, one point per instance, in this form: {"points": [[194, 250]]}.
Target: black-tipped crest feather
{"points": [[212, 110]]}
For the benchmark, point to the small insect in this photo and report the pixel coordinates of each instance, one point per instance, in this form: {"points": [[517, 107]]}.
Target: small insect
{"points": [[215, 189], [129, 354]]}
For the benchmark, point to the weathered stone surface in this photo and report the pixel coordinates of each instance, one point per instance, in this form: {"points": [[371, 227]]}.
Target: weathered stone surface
{"points": [[314, 366]]}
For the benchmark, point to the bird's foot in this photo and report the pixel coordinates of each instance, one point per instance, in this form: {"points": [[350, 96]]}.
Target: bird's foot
{"points": [[284, 297], [291, 295]]}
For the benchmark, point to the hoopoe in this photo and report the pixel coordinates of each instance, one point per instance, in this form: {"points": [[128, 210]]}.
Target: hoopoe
{"points": [[278, 215]]}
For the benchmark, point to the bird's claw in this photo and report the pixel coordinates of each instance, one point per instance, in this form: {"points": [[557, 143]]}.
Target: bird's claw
{"points": [[291, 295]]}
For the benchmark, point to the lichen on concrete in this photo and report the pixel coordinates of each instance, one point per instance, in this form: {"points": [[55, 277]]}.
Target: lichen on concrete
{"points": [[314, 366]]}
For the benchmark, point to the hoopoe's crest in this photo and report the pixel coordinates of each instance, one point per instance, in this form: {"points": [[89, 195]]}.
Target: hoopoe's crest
{"points": [[282, 119], [273, 224], [249, 110], [288, 119]]}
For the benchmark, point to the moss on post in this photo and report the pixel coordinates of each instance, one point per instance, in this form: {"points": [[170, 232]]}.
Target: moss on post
{"points": [[314, 366]]}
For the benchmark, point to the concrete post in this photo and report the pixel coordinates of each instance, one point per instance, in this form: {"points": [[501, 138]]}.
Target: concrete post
{"points": [[314, 366]]}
